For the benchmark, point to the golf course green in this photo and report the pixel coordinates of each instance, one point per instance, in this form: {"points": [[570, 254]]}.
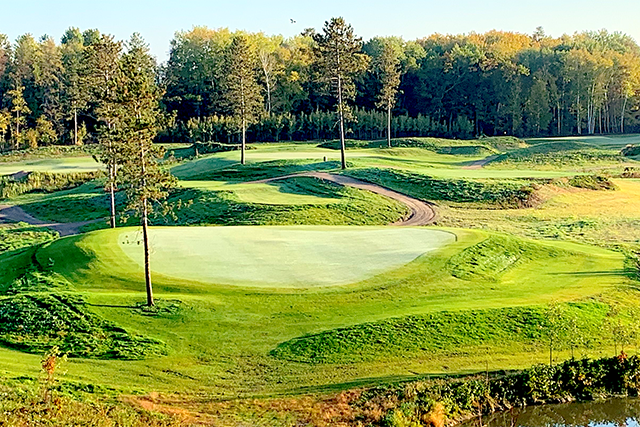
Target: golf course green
{"points": [[282, 256], [294, 286]]}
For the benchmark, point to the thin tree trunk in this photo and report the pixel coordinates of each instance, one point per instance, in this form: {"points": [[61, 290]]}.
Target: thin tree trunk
{"points": [[75, 126], [244, 141], [389, 125], [268, 95], [112, 196], [341, 113], [145, 235], [147, 260], [624, 107], [578, 122]]}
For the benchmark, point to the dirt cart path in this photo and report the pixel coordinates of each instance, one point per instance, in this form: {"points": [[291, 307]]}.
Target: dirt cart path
{"points": [[9, 214], [422, 213]]}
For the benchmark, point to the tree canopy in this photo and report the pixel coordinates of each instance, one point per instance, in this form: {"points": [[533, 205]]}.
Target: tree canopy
{"points": [[460, 86]]}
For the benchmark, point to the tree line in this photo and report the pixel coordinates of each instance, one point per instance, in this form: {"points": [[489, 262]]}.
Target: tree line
{"points": [[236, 86]]}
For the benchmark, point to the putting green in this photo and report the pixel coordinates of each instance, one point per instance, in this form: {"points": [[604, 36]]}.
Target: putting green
{"points": [[294, 257]]}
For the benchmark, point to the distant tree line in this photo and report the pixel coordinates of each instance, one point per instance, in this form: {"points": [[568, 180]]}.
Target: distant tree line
{"points": [[234, 86]]}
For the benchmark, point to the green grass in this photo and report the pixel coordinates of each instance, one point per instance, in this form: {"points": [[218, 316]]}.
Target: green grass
{"points": [[297, 257], [428, 314], [36, 322], [560, 155], [436, 333], [23, 235], [285, 192], [54, 165], [220, 339], [287, 202], [497, 192], [609, 141]]}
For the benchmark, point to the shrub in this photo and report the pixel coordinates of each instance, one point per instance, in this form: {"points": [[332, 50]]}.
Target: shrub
{"points": [[593, 182], [630, 150], [451, 400]]}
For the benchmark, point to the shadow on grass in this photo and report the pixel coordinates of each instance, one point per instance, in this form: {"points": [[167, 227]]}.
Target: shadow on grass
{"points": [[595, 273], [128, 307], [389, 380]]}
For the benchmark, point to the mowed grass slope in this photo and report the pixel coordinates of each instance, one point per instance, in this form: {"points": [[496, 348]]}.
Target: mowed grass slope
{"points": [[56, 165], [220, 338]]}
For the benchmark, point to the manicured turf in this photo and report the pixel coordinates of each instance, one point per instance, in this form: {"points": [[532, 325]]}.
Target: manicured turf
{"points": [[276, 193], [62, 165], [298, 257], [219, 338], [226, 322]]}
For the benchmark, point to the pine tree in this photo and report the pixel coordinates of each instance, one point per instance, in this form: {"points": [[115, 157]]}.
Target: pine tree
{"points": [[340, 58], [75, 95], [242, 93], [388, 67], [105, 77], [20, 110], [144, 181]]}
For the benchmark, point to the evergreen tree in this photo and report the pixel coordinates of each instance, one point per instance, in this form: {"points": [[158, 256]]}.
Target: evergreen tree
{"points": [[340, 59], [75, 95], [388, 67], [103, 80], [143, 180], [19, 109], [242, 95]]}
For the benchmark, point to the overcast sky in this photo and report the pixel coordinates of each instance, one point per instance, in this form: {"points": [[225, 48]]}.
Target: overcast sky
{"points": [[158, 20]]}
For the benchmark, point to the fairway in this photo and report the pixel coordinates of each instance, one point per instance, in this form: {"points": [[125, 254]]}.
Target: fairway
{"points": [[62, 165], [282, 256]]}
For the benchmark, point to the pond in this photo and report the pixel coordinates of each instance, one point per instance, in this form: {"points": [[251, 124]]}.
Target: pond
{"points": [[604, 413]]}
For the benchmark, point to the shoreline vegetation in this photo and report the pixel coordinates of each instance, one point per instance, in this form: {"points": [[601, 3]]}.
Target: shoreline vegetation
{"points": [[443, 401]]}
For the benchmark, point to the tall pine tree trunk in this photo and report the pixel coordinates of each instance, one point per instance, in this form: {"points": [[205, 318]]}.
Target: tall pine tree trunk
{"points": [[389, 125], [145, 234], [75, 126], [624, 107], [244, 141], [341, 114], [147, 261], [112, 195]]}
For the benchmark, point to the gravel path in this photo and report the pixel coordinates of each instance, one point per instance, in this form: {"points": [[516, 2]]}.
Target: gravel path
{"points": [[422, 213], [9, 214]]}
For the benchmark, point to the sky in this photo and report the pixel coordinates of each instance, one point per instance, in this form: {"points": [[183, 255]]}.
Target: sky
{"points": [[159, 20]]}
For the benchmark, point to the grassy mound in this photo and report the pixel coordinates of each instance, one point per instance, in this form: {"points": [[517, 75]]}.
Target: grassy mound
{"points": [[49, 164], [593, 182], [441, 332], [200, 148], [258, 171], [224, 207], [505, 193], [23, 235], [494, 256], [559, 154], [50, 152], [290, 202], [37, 322], [487, 145]]}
